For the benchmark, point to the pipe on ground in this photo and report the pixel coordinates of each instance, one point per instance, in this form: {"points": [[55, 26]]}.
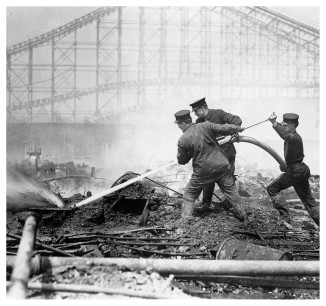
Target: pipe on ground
{"points": [[22, 263], [44, 246], [254, 281], [187, 267]]}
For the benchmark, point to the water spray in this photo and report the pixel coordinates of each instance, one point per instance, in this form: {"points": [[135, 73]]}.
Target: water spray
{"points": [[24, 192], [125, 184]]}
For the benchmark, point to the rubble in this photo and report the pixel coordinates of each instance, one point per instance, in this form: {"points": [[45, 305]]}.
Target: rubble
{"points": [[111, 277], [99, 230]]}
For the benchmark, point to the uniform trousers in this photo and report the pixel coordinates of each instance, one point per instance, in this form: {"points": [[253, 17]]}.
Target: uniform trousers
{"points": [[302, 188], [223, 178], [208, 189]]}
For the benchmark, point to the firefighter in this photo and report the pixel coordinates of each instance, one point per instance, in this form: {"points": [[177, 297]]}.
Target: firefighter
{"points": [[295, 174], [218, 116], [210, 165]]}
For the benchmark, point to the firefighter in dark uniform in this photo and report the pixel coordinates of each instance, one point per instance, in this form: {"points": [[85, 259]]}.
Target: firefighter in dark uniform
{"points": [[218, 116], [296, 173], [209, 162]]}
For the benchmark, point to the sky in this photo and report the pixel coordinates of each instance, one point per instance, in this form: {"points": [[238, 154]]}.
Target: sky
{"points": [[23, 22]]}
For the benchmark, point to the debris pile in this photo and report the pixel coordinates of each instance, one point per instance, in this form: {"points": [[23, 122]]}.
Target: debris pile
{"points": [[110, 281], [111, 227]]}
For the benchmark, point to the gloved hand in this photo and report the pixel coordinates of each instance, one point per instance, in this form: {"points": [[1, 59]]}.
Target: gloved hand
{"points": [[272, 118], [240, 129]]}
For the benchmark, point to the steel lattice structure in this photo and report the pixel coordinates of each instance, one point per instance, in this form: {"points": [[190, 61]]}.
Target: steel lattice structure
{"points": [[116, 59]]}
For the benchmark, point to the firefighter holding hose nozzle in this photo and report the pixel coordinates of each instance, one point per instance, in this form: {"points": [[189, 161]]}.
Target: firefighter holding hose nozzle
{"points": [[218, 116], [295, 174], [210, 164]]}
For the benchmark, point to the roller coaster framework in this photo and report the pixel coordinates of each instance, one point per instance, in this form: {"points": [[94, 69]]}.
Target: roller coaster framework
{"points": [[150, 55]]}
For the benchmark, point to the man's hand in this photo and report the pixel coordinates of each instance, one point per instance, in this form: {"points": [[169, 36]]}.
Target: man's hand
{"points": [[272, 118], [240, 129]]}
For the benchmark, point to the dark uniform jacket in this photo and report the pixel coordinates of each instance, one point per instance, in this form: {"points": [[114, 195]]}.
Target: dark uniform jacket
{"points": [[199, 143], [293, 152], [221, 117]]}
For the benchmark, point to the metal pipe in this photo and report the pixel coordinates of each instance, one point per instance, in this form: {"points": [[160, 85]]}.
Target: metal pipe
{"points": [[22, 263], [47, 247], [246, 128], [189, 266], [254, 281]]}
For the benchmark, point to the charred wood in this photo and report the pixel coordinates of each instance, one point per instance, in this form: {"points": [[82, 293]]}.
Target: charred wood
{"points": [[54, 250]]}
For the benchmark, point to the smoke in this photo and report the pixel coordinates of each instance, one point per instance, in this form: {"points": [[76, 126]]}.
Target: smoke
{"points": [[146, 139], [24, 192]]}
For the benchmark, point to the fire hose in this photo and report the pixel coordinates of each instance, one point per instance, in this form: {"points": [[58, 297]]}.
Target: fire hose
{"points": [[265, 147], [221, 140]]}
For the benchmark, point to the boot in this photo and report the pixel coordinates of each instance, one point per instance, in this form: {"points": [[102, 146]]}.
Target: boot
{"points": [[314, 214], [226, 204], [238, 212], [281, 206], [204, 207], [201, 208], [187, 209], [284, 213]]}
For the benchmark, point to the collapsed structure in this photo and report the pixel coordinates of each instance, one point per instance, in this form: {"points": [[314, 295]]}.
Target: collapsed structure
{"points": [[131, 241], [142, 220]]}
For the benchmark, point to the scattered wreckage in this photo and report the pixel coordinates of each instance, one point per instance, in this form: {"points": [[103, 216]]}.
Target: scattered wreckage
{"points": [[131, 242]]}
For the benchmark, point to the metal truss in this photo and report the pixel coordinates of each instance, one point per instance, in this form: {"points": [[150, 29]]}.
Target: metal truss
{"points": [[116, 59], [61, 31], [270, 51]]}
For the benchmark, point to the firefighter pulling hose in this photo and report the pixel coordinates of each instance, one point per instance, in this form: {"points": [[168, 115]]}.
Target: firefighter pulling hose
{"points": [[295, 172], [214, 164], [210, 161]]}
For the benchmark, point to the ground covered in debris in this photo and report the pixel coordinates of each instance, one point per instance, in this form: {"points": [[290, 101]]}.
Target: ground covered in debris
{"points": [[113, 277], [119, 225]]}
